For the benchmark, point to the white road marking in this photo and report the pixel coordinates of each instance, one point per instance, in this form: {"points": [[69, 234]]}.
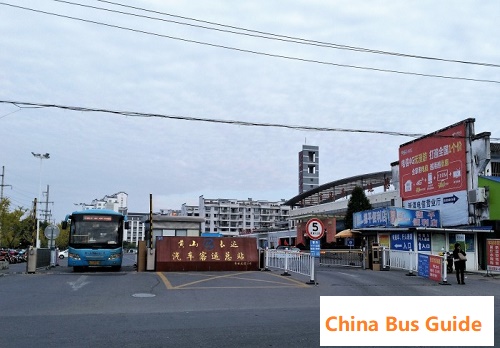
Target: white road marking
{"points": [[79, 283]]}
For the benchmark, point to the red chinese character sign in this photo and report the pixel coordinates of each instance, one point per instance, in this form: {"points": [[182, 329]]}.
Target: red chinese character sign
{"points": [[433, 174], [493, 255], [206, 254], [434, 164], [315, 229]]}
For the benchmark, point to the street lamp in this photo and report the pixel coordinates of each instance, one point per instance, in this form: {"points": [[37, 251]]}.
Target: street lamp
{"points": [[41, 157]]}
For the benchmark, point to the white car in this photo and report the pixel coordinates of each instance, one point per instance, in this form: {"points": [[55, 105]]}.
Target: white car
{"points": [[63, 254], [289, 248]]}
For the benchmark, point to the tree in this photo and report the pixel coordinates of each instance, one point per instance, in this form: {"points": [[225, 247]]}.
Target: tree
{"points": [[13, 229], [358, 202], [63, 239]]}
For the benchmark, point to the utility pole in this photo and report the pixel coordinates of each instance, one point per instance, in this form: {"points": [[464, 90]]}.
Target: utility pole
{"points": [[2, 185], [1, 199], [36, 225], [46, 213]]}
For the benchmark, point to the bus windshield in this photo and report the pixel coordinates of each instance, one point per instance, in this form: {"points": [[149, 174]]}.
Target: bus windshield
{"points": [[103, 231]]}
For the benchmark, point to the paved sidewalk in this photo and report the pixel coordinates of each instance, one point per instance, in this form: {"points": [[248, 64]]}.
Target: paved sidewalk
{"points": [[20, 268]]}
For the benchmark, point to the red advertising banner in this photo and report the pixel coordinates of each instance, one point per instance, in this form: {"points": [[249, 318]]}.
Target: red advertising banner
{"points": [[435, 263], [493, 255], [434, 165]]}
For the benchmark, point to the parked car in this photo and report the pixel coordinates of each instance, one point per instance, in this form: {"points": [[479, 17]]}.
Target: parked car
{"points": [[63, 254], [290, 248]]}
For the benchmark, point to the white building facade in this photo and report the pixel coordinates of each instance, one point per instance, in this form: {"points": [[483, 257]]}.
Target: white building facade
{"points": [[232, 217], [137, 230]]}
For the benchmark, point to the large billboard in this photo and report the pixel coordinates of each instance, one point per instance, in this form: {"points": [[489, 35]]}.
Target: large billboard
{"points": [[433, 174]]}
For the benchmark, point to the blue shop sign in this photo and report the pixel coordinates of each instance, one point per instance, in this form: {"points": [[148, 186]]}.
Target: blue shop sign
{"points": [[396, 217]]}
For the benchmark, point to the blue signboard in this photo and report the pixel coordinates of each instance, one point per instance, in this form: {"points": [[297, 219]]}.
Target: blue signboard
{"points": [[423, 265], [315, 248], [349, 242], [424, 241], [396, 217], [402, 241]]}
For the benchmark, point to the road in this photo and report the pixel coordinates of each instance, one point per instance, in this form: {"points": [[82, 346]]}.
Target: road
{"points": [[59, 308]]}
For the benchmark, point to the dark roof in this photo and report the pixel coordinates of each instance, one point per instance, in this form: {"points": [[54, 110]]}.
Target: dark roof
{"points": [[495, 148], [340, 188]]}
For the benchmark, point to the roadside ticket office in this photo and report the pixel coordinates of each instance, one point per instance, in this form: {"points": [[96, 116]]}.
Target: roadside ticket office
{"points": [[420, 230]]}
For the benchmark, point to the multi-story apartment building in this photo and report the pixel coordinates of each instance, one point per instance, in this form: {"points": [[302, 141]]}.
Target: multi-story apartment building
{"points": [[232, 217], [190, 210], [116, 202], [137, 230]]}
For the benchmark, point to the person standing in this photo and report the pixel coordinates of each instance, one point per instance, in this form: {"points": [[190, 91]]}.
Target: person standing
{"points": [[459, 259]]}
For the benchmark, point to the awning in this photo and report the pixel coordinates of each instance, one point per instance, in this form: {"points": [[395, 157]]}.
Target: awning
{"points": [[348, 234], [472, 229]]}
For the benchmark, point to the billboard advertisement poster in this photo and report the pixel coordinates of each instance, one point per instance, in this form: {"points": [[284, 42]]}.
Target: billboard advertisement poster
{"points": [[493, 254], [453, 207], [435, 164], [435, 264]]}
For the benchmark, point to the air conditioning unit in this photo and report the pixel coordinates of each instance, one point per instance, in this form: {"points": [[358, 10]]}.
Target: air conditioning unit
{"points": [[477, 195]]}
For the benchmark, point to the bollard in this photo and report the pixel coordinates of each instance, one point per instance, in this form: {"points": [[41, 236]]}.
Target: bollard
{"points": [[385, 264], [444, 271], [312, 281], [266, 268], [286, 265], [411, 274]]}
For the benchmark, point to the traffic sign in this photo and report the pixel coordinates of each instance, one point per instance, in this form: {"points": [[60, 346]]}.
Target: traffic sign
{"points": [[315, 229], [51, 232]]}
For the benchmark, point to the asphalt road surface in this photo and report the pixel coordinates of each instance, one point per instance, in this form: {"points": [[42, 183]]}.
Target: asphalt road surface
{"points": [[60, 308]]}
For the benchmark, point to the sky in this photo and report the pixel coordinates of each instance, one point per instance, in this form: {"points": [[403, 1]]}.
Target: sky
{"points": [[160, 70]]}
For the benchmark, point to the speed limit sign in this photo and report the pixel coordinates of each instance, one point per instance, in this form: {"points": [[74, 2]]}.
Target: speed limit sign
{"points": [[315, 229]]}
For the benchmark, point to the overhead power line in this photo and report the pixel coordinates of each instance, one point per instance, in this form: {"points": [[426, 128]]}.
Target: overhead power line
{"points": [[255, 52], [22, 104], [271, 36], [31, 105]]}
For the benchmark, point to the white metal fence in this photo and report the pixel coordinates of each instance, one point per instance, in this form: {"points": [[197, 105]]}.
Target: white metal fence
{"points": [[291, 261], [400, 259]]}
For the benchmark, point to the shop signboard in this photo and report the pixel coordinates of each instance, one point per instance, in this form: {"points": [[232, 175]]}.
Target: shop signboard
{"points": [[396, 217]]}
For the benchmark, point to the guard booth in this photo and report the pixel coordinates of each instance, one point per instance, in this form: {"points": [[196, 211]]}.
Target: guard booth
{"points": [[375, 256]]}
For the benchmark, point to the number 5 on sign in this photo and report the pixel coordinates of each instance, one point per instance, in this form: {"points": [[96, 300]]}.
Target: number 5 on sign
{"points": [[315, 229]]}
